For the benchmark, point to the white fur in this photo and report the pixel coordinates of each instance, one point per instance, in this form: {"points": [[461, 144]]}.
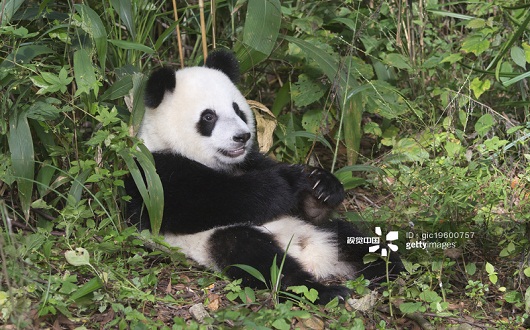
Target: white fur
{"points": [[172, 125], [312, 246], [194, 246]]}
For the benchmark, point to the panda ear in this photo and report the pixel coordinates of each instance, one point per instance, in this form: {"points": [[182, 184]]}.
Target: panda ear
{"points": [[159, 82], [224, 61]]}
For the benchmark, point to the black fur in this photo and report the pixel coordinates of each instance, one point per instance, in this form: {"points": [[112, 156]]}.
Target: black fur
{"points": [[230, 246], [159, 82], [198, 198], [224, 61], [240, 113], [207, 122]]}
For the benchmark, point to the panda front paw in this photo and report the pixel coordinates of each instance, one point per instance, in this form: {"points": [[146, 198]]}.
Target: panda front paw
{"points": [[325, 187]]}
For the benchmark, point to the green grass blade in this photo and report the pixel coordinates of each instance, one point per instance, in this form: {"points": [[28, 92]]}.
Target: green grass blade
{"points": [[20, 144], [151, 189], [94, 284], [252, 271]]}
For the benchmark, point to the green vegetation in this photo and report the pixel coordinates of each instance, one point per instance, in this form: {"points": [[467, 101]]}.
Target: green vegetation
{"points": [[420, 108]]}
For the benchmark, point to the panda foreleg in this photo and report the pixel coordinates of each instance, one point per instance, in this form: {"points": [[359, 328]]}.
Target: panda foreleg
{"points": [[249, 245]]}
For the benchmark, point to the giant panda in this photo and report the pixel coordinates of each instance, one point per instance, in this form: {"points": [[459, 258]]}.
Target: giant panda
{"points": [[226, 203]]}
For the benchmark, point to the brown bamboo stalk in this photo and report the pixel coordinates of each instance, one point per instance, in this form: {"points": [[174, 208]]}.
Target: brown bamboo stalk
{"points": [[203, 30], [179, 40], [212, 10]]}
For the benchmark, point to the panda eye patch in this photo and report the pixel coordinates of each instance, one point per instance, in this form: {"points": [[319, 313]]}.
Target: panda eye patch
{"points": [[208, 115], [207, 122], [239, 112]]}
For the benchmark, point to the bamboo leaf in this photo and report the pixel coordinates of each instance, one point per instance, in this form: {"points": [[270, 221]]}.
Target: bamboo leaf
{"points": [[20, 144], [89, 287], [262, 25], [124, 9], [351, 106], [132, 46], [92, 24], [85, 77], [9, 8], [151, 188]]}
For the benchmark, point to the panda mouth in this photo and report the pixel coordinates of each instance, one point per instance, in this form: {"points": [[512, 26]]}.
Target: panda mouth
{"points": [[233, 153]]}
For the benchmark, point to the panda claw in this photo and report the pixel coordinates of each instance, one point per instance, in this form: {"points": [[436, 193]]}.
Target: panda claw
{"points": [[313, 172], [316, 184], [320, 196], [326, 199]]}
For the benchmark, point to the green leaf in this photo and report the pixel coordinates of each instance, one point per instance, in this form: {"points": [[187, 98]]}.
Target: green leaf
{"points": [[79, 257], [316, 121], [92, 24], [451, 14], [125, 12], [410, 307], [518, 56], [513, 297], [398, 61], [527, 271], [453, 58], [516, 79], [281, 324], [132, 46], [252, 271], [20, 144], [89, 287], [476, 23], [151, 188], [119, 89], [479, 87], [9, 9], [24, 55], [484, 124], [262, 25], [137, 95], [346, 85], [527, 300], [85, 76], [493, 278], [489, 268], [471, 269], [306, 91], [475, 44], [44, 110], [526, 48], [430, 296]]}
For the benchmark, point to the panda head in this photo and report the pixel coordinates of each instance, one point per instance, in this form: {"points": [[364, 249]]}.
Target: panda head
{"points": [[199, 113]]}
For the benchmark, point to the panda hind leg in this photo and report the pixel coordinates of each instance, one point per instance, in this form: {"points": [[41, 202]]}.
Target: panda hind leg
{"points": [[243, 244]]}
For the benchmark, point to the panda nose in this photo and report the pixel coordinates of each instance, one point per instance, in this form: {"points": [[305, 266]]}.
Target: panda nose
{"points": [[241, 137]]}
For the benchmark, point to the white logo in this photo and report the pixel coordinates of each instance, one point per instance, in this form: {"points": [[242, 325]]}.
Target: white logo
{"points": [[390, 236]]}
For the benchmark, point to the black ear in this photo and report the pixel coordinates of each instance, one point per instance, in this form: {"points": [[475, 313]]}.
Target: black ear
{"points": [[224, 61], [159, 82]]}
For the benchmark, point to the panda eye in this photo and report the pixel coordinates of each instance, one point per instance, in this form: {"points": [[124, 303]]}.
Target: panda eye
{"points": [[208, 115]]}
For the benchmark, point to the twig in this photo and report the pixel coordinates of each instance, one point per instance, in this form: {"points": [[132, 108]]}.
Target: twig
{"points": [[179, 40], [203, 30]]}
